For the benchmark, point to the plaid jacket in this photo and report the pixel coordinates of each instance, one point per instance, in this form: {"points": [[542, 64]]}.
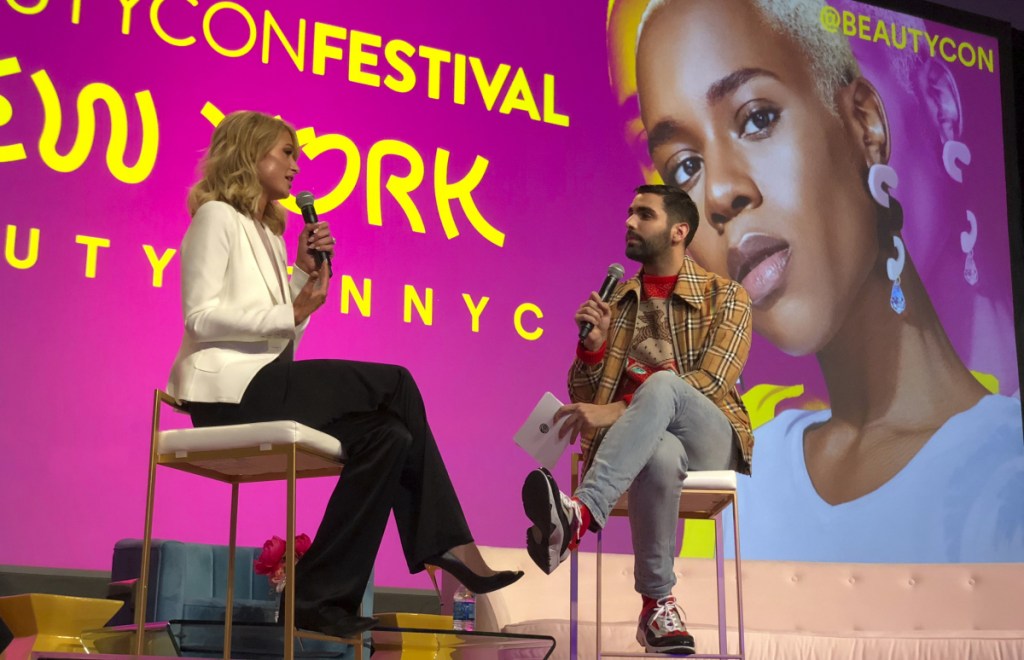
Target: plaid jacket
{"points": [[709, 323]]}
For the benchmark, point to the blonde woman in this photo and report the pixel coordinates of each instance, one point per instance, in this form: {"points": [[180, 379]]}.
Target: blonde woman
{"points": [[243, 318]]}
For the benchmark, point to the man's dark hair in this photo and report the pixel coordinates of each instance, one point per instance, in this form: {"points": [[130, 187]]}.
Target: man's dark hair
{"points": [[678, 206]]}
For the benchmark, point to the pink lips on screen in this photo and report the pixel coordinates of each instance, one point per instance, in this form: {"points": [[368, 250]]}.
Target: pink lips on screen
{"points": [[759, 263]]}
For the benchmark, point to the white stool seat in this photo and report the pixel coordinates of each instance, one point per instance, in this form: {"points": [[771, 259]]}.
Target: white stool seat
{"points": [[710, 480], [191, 448], [241, 436]]}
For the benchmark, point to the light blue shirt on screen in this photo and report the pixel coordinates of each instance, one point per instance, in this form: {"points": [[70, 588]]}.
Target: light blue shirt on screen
{"points": [[960, 499]]}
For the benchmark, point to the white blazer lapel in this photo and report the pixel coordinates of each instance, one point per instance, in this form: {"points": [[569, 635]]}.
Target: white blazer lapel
{"points": [[262, 259], [280, 250]]}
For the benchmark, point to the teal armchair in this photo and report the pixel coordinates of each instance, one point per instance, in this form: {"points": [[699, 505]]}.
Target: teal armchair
{"points": [[188, 582]]}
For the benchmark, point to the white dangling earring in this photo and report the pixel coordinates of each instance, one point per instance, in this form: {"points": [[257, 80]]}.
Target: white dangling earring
{"points": [[894, 268], [967, 241], [882, 179], [954, 153]]}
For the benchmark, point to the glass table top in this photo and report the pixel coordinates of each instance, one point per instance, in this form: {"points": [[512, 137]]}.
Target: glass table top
{"points": [[266, 640]]}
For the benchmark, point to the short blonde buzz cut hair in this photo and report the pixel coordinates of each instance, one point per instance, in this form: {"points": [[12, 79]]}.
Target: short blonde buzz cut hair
{"points": [[831, 61]]}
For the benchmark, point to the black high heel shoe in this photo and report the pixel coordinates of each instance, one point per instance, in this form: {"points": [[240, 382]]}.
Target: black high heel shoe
{"points": [[478, 584]]}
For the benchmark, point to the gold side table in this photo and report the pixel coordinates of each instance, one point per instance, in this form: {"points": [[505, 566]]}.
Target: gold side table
{"points": [[47, 622]]}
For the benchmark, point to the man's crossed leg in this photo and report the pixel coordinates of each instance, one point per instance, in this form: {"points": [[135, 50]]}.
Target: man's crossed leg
{"points": [[668, 428]]}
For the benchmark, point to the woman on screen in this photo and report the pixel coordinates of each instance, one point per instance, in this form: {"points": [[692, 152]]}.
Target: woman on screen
{"points": [[765, 119], [243, 318]]}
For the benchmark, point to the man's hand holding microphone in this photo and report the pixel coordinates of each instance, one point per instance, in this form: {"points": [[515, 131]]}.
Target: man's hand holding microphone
{"points": [[593, 318]]}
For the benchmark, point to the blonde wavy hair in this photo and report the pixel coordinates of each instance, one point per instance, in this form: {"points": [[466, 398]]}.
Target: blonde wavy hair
{"points": [[229, 167]]}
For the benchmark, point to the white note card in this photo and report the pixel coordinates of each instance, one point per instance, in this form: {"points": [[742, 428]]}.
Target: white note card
{"points": [[538, 435]]}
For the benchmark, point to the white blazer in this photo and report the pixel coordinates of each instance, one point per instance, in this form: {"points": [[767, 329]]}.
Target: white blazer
{"points": [[235, 320]]}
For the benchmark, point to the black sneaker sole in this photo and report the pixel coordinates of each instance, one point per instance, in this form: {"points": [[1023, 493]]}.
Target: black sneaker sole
{"points": [[683, 646], [545, 540], [673, 650]]}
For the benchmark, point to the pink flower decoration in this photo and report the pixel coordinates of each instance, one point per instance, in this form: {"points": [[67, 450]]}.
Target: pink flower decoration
{"points": [[270, 558], [302, 544]]}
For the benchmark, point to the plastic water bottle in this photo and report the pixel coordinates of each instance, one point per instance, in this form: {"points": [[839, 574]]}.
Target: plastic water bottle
{"points": [[463, 609]]}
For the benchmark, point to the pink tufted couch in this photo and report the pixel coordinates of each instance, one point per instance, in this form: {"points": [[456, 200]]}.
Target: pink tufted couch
{"points": [[793, 611]]}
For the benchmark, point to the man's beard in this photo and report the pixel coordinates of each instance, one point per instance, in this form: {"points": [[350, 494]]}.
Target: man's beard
{"points": [[645, 250]]}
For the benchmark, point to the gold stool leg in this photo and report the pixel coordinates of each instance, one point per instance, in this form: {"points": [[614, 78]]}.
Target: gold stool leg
{"points": [[289, 589], [229, 601], [142, 593]]}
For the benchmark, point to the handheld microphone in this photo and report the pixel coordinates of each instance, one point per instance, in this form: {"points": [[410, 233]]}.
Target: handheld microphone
{"points": [[615, 273], [305, 201]]}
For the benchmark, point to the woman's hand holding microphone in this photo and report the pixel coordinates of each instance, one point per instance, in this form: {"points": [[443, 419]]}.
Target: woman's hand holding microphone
{"points": [[315, 237]]}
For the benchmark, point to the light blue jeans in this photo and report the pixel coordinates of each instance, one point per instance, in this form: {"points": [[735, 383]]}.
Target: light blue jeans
{"points": [[668, 428]]}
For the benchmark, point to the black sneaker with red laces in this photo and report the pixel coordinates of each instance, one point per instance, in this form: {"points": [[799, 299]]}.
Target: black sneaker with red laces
{"points": [[661, 629]]}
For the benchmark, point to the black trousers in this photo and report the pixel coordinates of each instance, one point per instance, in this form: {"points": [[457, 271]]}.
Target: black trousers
{"points": [[377, 413]]}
